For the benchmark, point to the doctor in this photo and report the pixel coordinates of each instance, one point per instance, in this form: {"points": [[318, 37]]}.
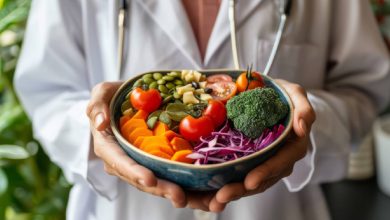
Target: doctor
{"points": [[332, 49]]}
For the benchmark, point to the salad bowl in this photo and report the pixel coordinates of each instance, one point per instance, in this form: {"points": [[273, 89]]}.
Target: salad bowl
{"points": [[192, 176]]}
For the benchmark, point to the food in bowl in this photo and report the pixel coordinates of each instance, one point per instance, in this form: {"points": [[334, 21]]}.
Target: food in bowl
{"points": [[199, 170], [188, 117]]}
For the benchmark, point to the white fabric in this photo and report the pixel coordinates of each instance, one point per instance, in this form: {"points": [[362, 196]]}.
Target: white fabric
{"points": [[332, 48]]}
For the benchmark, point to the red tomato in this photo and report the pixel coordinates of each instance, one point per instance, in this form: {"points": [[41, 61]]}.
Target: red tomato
{"points": [[242, 81], [148, 101], [219, 78], [223, 91], [216, 111], [193, 128]]}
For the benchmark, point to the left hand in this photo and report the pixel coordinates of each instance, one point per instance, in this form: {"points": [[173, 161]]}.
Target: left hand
{"points": [[277, 167]]}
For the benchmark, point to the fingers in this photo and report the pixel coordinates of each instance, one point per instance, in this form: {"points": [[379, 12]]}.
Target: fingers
{"points": [[304, 115], [230, 192], [169, 191], [116, 161], [216, 206], [162, 188], [119, 164], [97, 109], [199, 200], [280, 165]]}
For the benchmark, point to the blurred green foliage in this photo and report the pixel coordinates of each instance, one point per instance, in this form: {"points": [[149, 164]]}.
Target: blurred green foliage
{"points": [[31, 187]]}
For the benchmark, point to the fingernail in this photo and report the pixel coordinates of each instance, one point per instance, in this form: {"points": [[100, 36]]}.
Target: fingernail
{"points": [[167, 196], [256, 186], [142, 182], [303, 126], [99, 119]]}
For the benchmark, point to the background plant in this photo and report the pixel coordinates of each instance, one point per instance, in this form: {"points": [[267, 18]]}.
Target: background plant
{"points": [[31, 187]]}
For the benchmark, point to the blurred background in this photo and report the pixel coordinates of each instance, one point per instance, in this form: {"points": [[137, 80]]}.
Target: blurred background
{"points": [[31, 187]]}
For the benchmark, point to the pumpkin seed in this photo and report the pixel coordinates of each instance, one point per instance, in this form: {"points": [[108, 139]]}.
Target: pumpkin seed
{"points": [[155, 114], [164, 118], [167, 99], [152, 122], [125, 105]]}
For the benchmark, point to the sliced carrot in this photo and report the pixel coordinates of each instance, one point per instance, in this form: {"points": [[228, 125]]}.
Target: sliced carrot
{"points": [[156, 146], [123, 120], [141, 114], [132, 124], [171, 134], [138, 132], [180, 144], [181, 156], [156, 142], [160, 128], [155, 139], [160, 154], [138, 141]]}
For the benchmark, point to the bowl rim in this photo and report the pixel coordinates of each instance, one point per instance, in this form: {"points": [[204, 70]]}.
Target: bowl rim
{"points": [[118, 135]]}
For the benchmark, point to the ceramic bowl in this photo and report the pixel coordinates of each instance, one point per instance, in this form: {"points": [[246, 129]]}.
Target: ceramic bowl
{"points": [[199, 177]]}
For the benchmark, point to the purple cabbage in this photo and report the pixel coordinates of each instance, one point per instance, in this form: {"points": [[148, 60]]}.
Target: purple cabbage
{"points": [[228, 144]]}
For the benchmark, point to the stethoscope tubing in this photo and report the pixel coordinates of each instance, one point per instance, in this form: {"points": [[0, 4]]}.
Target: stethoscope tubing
{"points": [[284, 10]]}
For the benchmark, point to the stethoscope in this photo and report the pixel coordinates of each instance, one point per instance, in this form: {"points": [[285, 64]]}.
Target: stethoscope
{"points": [[283, 9]]}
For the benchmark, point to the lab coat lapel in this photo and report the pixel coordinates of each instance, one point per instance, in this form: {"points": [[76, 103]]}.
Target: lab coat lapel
{"points": [[172, 18], [221, 30]]}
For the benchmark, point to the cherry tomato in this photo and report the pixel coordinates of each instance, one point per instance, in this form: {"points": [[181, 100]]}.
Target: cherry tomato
{"points": [[219, 78], [223, 91], [216, 111], [193, 128], [242, 82], [148, 101]]}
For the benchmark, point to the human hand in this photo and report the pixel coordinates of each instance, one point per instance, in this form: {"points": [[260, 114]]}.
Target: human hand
{"points": [[116, 161], [281, 164]]}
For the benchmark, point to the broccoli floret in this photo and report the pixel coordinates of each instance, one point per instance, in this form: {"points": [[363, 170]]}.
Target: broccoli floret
{"points": [[254, 110]]}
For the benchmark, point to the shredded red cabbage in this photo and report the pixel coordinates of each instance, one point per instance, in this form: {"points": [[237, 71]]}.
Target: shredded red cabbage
{"points": [[228, 144]]}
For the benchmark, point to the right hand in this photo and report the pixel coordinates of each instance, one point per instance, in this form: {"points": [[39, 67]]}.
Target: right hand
{"points": [[116, 161]]}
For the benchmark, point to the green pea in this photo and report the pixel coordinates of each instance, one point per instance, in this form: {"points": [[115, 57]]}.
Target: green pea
{"points": [[174, 74], [153, 85], [148, 80], [178, 82], [161, 82], [138, 83], [157, 76], [168, 78], [170, 85], [147, 76], [163, 89], [176, 95]]}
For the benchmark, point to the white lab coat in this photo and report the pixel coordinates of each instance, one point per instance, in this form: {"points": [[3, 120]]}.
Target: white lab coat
{"points": [[332, 48]]}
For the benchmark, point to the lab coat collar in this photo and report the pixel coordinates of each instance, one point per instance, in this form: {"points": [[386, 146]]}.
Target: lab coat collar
{"points": [[221, 30], [173, 20]]}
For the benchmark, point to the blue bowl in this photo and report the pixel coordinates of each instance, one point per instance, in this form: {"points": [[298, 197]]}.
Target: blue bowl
{"points": [[199, 177]]}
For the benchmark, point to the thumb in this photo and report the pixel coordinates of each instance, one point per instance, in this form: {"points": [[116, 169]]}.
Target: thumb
{"points": [[97, 110]]}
